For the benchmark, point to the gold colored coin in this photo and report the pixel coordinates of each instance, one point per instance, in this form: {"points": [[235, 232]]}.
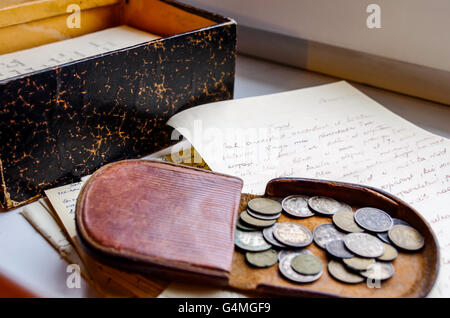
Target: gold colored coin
{"points": [[307, 264], [339, 272], [262, 259], [345, 221], [390, 253], [406, 237], [265, 206], [358, 263], [250, 220]]}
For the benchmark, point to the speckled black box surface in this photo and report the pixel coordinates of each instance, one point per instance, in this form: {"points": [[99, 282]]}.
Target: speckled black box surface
{"points": [[63, 123]]}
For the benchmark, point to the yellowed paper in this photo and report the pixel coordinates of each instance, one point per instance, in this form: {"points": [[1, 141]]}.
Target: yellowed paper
{"points": [[332, 132], [41, 219], [57, 53]]}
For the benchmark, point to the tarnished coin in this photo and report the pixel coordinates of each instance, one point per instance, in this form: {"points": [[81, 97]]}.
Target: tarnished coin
{"points": [[358, 263], [284, 253], [307, 264], [263, 216], [364, 244], [292, 234], [337, 249], [372, 219], [339, 272], [379, 271], [390, 253], [384, 235], [406, 237], [324, 205], [297, 206], [344, 220], [268, 235], [262, 259], [250, 220], [264, 206], [286, 270], [325, 233], [250, 241], [240, 225]]}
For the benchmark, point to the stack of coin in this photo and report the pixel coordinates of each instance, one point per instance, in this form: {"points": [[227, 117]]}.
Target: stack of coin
{"points": [[364, 249], [360, 244], [260, 213]]}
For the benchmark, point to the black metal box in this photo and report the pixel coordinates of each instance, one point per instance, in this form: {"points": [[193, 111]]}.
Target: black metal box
{"points": [[64, 122]]}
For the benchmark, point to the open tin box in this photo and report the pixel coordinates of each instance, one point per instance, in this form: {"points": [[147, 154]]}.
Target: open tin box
{"points": [[62, 122], [178, 222]]}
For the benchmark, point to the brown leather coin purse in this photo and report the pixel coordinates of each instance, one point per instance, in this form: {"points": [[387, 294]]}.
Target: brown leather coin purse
{"points": [[156, 217], [178, 221]]}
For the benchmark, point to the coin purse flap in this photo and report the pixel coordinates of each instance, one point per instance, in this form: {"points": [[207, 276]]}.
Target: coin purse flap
{"points": [[160, 214]]}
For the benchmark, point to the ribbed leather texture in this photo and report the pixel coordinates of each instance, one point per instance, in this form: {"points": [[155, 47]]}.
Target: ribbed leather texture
{"points": [[150, 210]]}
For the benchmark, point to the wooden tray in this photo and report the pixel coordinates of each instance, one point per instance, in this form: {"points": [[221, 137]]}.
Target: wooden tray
{"points": [[178, 222], [415, 273]]}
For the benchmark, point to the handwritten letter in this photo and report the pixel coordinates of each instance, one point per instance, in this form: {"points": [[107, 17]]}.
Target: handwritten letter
{"points": [[63, 200]]}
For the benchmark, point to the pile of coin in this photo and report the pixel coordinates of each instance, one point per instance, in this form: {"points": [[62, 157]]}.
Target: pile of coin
{"points": [[360, 245]]}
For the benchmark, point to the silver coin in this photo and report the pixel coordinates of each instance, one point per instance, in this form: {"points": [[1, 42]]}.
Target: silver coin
{"points": [[325, 233], [262, 216], [345, 207], [286, 270], [268, 235], [384, 235], [364, 245], [297, 206], [373, 220], [296, 251], [292, 234], [250, 241], [379, 271], [324, 205], [337, 249]]}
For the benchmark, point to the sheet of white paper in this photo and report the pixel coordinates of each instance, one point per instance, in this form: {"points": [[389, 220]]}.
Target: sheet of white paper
{"points": [[330, 132], [57, 53]]}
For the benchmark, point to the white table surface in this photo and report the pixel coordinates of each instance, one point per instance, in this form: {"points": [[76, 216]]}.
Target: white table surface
{"points": [[25, 255]]}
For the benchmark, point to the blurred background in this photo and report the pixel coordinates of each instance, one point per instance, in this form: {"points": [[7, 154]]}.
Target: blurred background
{"points": [[409, 53]]}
